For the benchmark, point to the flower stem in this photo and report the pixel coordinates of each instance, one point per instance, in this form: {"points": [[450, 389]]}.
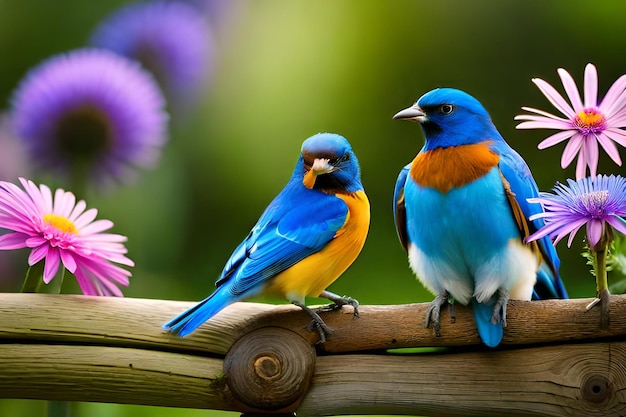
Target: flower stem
{"points": [[54, 287], [33, 279], [602, 286]]}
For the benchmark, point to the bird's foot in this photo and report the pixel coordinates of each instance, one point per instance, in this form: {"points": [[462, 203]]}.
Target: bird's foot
{"points": [[339, 301], [317, 324], [434, 312], [499, 308]]}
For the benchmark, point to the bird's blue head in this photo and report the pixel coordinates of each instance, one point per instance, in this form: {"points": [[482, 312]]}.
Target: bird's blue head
{"points": [[450, 117], [329, 164]]}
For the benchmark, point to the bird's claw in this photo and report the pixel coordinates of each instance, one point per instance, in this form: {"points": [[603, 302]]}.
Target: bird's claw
{"points": [[321, 328], [434, 312], [499, 308], [339, 301], [317, 324]]}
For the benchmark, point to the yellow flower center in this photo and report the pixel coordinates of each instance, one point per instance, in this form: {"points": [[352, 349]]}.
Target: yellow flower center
{"points": [[60, 223], [590, 120]]}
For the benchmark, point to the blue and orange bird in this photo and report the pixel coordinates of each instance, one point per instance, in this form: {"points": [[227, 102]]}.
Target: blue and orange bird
{"points": [[305, 239], [461, 213]]}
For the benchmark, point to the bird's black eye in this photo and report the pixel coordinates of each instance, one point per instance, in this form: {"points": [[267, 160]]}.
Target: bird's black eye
{"points": [[446, 108]]}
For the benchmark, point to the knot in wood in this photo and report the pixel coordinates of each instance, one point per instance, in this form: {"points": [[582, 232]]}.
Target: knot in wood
{"points": [[267, 367], [270, 369], [596, 389]]}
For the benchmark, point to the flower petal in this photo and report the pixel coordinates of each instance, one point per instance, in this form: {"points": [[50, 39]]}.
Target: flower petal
{"points": [[581, 164], [570, 89], [544, 124], [594, 231], [539, 112], [609, 147], [554, 97], [618, 223], [51, 267], [68, 260], [591, 86], [613, 100], [556, 138], [571, 149], [616, 135], [12, 241], [37, 254]]}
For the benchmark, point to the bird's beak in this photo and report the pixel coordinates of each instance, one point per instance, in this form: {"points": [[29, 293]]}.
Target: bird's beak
{"points": [[413, 113], [320, 166]]}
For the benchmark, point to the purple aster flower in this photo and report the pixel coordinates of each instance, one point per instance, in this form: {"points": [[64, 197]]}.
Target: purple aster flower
{"points": [[585, 123], [598, 203], [60, 231], [90, 113], [171, 39]]}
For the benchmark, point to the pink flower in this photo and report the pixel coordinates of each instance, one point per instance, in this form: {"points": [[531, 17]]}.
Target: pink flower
{"points": [[585, 124], [60, 231]]}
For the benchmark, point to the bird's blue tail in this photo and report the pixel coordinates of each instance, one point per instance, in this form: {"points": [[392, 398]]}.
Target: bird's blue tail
{"points": [[190, 320], [491, 334]]}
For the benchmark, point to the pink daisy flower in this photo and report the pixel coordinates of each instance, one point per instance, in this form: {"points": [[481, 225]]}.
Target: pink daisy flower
{"points": [[586, 123], [60, 231]]}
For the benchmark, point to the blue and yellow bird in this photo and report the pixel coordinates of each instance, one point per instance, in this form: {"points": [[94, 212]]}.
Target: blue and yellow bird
{"points": [[305, 239], [461, 213]]}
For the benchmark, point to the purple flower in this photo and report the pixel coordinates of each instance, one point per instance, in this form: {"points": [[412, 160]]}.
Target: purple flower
{"points": [[90, 113], [598, 203], [171, 39], [585, 124], [60, 231]]}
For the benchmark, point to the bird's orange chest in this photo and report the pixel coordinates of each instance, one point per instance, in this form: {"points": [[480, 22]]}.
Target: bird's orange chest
{"points": [[454, 166]]}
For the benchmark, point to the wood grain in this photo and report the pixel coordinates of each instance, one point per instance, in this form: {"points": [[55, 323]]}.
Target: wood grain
{"points": [[555, 359], [135, 322], [546, 381]]}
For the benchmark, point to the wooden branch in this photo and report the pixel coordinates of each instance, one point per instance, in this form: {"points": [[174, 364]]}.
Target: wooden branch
{"points": [[137, 323], [78, 348]]}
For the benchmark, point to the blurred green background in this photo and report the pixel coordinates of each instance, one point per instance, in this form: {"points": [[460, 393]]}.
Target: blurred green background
{"points": [[285, 70]]}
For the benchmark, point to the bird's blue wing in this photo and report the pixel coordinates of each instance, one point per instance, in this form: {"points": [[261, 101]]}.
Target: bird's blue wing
{"points": [[523, 186], [399, 209], [293, 227]]}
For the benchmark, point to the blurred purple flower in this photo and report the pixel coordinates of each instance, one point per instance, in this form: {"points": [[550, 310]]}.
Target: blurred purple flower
{"points": [[218, 12], [597, 202], [90, 113], [586, 123], [60, 231], [171, 39]]}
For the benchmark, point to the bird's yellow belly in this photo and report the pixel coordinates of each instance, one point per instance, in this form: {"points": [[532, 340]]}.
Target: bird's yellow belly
{"points": [[312, 275]]}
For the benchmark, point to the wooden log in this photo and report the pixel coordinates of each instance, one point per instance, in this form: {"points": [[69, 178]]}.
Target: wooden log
{"points": [[77, 348], [564, 380], [110, 374], [137, 323]]}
